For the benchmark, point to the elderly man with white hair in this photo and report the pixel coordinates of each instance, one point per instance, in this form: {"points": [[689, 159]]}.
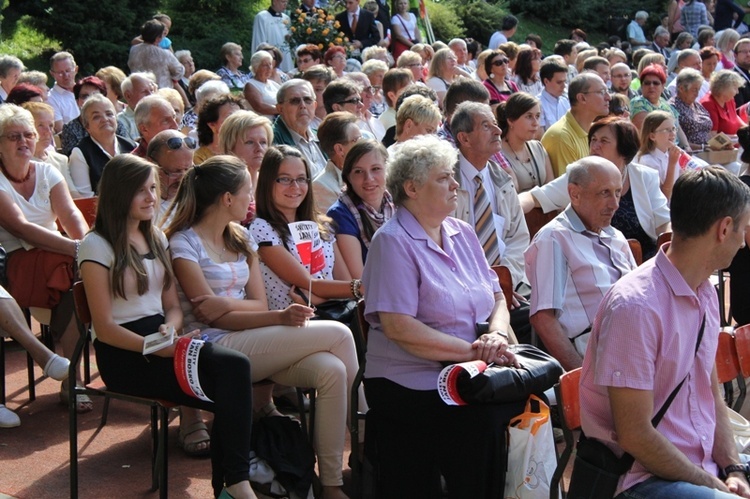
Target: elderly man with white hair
{"points": [[10, 70], [134, 88], [458, 46], [153, 114], [636, 36], [209, 89]]}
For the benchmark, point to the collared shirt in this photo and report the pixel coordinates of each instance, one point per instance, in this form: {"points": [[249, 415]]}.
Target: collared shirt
{"points": [[692, 15], [553, 108], [644, 338], [469, 184], [565, 142], [79, 168], [449, 289], [126, 118], [350, 16], [327, 187], [635, 32], [659, 161], [310, 150], [64, 103], [570, 269]]}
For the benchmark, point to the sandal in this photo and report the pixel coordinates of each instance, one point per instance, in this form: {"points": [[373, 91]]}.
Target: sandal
{"points": [[83, 402], [193, 448], [270, 411]]}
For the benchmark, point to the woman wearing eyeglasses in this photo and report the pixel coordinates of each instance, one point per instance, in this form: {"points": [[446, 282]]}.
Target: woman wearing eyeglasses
{"points": [[223, 296], [652, 79], [335, 58], [33, 196], [497, 82], [284, 195], [88, 158]]}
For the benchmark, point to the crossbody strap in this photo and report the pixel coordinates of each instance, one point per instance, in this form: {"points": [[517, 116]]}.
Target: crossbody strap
{"points": [[536, 166], [626, 461]]}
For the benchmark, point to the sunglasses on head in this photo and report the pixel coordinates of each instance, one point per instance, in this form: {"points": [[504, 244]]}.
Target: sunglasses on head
{"points": [[175, 143]]}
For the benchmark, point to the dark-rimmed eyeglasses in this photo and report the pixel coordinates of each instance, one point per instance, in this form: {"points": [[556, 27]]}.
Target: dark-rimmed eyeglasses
{"points": [[288, 181], [296, 101], [354, 100]]}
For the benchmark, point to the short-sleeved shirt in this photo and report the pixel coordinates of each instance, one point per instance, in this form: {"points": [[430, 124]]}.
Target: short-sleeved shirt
{"points": [[346, 224], [642, 105], [724, 119], [644, 338], [694, 120], [94, 248], [448, 289], [565, 142], [224, 278], [64, 103], [553, 108], [277, 290], [37, 209], [571, 269]]}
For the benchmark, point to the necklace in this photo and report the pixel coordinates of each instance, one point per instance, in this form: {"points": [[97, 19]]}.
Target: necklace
{"points": [[14, 179], [210, 248], [515, 155]]}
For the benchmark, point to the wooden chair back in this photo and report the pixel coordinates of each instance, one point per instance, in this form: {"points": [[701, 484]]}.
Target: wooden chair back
{"points": [[536, 219], [506, 282], [635, 248], [664, 237]]}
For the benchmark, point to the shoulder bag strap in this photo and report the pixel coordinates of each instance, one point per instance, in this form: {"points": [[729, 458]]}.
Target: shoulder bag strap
{"points": [[626, 461], [533, 160]]}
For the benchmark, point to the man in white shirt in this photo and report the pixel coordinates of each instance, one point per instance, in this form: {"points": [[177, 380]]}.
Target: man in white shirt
{"points": [[507, 30], [134, 88], [554, 101], [636, 36], [458, 46], [63, 69], [272, 26]]}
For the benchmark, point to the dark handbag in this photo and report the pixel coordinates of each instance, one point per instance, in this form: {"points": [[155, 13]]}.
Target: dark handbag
{"points": [[596, 469], [500, 384], [337, 310]]}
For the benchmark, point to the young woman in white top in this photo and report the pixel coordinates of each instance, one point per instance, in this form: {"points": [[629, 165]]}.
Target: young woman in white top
{"points": [[132, 292], [658, 149], [223, 295]]}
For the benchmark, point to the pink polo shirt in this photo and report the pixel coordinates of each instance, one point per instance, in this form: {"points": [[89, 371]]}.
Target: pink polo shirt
{"points": [[644, 338]]}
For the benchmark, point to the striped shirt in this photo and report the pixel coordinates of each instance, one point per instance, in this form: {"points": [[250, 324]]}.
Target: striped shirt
{"points": [[570, 269], [644, 338]]}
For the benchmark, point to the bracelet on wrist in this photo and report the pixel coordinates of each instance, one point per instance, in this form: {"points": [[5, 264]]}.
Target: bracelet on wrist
{"points": [[356, 287]]}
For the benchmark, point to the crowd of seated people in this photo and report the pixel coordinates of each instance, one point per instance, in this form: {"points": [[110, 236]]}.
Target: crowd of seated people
{"points": [[418, 164]]}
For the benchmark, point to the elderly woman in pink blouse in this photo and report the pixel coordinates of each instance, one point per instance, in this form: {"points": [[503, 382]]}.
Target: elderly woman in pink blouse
{"points": [[428, 285]]}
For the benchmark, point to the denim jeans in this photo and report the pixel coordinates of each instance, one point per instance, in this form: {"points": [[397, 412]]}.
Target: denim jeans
{"points": [[664, 489]]}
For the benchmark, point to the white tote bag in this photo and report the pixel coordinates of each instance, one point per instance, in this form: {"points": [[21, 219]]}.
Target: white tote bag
{"points": [[531, 453]]}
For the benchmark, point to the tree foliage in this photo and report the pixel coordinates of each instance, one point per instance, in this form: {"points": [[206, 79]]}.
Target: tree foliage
{"points": [[97, 33], [203, 26], [444, 20], [480, 18]]}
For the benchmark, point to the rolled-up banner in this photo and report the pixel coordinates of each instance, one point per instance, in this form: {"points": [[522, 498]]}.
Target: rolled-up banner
{"points": [[186, 352], [447, 383]]}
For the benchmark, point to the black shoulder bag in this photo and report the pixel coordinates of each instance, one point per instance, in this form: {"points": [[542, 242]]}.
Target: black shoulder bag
{"points": [[597, 470]]}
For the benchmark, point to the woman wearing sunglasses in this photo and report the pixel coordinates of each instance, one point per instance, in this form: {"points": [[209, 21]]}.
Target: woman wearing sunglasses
{"points": [[497, 82]]}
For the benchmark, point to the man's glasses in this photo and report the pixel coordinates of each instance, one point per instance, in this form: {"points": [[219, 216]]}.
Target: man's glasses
{"points": [[175, 143], [354, 100], [288, 181], [296, 101]]}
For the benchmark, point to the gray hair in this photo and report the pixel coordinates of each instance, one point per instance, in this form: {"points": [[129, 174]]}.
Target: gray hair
{"points": [[34, 78], [414, 160], [143, 109], [210, 89], [641, 14], [61, 56], [371, 66], [726, 39], [8, 62], [724, 79], [11, 115], [456, 42], [127, 84], [684, 54], [290, 84], [180, 54], [259, 57], [661, 30], [688, 77], [94, 99], [579, 172], [463, 117]]}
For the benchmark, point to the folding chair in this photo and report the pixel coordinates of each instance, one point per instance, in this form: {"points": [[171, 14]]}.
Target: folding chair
{"points": [[635, 248], [87, 207], [536, 219], [360, 341], [159, 408], [728, 369], [664, 237], [568, 406]]}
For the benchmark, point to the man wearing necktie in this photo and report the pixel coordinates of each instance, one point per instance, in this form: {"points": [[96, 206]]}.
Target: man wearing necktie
{"points": [[358, 25]]}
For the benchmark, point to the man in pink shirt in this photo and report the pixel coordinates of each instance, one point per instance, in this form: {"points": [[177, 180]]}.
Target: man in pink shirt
{"points": [[643, 344]]}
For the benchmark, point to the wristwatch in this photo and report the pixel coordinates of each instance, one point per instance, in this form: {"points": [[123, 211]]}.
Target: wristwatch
{"points": [[733, 468]]}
